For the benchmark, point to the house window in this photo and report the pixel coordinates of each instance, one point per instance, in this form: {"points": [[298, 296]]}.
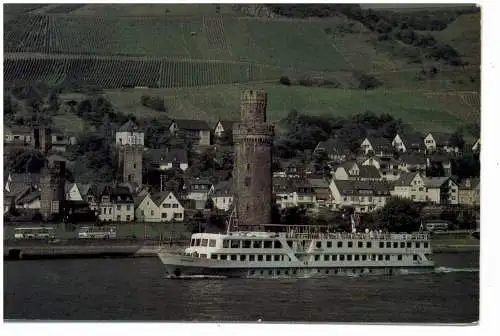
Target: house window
{"points": [[128, 218], [212, 243], [381, 245], [118, 207], [152, 213], [318, 244], [177, 215], [168, 205], [103, 211], [118, 218], [339, 244], [128, 207], [328, 244], [349, 244]]}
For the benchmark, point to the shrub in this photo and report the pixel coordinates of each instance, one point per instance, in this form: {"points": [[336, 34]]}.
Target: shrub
{"points": [[285, 80]]}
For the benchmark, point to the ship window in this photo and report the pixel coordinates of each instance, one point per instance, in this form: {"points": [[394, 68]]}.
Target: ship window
{"points": [[225, 243], [415, 257], [213, 256], [400, 257], [243, 257], [334, 257], [233, 256], [204, 242], [408, 244], [426, 245], [417, 245], [223, 257], [257, 244], [252, 272], [381, 244], [341, 257], [349, 257], [277, 257], [251, 257], [327, 271], [318, 244], [363, 257], [369, 244], [388, 244], [197, 242], [339, 244], [387, 257], [203, 256], [212, 242], [290, 243], [268, 243], [268, 257], [328, 244], [316, 257], [277, 244], [349, 244], [380, 257], [395, 244], [235, 244], [294, 271], [402, 244], [278, 272], [326, 257], [336, 271], [260, 257], [360, 244], [356, 257], [270, 272], [374, 257], [286, 272], [247, 244]]}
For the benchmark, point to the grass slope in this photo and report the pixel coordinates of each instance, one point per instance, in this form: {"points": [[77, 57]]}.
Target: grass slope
{"points": [[423, 111]]}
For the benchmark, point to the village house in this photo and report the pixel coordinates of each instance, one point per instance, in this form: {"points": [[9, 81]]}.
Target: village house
{"points": [[355, 171], [60, 141], [169, 207], [441, 162], [412, 162], [410, 186], [439, 141], [411, 142], [294, 192], [292, 168], [146, 210], [198, 191], [363, 196], [116, 204], [377, 146], [322, 192], [335, 149], [30, 201], [469, 192], [224, 127], [165, 159], [17, 135], [196, 130], [387, 167], [441, 190], [223, 195]]}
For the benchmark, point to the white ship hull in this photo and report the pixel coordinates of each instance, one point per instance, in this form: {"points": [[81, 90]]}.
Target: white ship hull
{"points": [[183, 266]]}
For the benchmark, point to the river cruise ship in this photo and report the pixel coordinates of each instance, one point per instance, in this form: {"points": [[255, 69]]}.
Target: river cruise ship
{"points": [[298, 252]]}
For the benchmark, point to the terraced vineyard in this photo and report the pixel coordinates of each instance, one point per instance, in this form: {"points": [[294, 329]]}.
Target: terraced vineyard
{"points": [[118, 73]]}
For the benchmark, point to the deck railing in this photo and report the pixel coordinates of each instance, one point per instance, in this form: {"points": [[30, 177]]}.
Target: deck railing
{"points": [[360, 236]]}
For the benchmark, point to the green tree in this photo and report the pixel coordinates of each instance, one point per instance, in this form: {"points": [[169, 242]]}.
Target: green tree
{"points": [[399, 215]]}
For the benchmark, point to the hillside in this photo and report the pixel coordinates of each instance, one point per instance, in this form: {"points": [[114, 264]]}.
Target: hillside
{"points": [[199, 56]]}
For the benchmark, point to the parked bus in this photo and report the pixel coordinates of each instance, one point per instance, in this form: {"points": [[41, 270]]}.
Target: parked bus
{"points": [[96, 232], [34, 233]]}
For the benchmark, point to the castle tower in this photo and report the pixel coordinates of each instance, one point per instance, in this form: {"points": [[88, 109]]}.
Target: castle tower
{"points": [[252, 175], [130, 143], [52, 191]]}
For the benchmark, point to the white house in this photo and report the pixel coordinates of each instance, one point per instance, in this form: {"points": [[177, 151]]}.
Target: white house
{"points": [[197, 130], [175, 157], [363, 196], [116, 205], [169, 206], [387, 166], [294, 192], [355, 171], [198, 191], [410, 186], [408, 142], [73, 192], [439, 140], [146, 210], [442, 190], [223, 195], [223, 126]]}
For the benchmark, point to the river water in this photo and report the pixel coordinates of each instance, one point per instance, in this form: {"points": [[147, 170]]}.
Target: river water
{"points": [[137, 290]]}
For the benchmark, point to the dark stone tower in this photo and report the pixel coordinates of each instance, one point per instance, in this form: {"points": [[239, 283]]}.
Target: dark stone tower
{"points": [[253, 139], [52, 192], [130, 143]]}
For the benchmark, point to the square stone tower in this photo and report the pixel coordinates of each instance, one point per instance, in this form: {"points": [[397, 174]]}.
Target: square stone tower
{"points": [[130, 144], [52, 188], [252, 175]]}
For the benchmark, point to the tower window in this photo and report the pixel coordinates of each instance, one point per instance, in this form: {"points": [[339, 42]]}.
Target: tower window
{"points": [[135, 165], [248, 166], [247, 181]]}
